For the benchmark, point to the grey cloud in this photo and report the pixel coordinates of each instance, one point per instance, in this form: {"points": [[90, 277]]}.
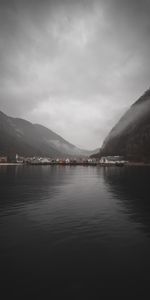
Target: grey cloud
{"points": [[74, 66]]}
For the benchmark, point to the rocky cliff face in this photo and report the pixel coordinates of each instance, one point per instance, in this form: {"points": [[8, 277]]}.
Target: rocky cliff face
{"points": [[131, 135], [22, 137]]}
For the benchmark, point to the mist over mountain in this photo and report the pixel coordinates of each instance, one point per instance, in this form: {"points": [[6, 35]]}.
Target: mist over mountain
{"points": [[24, 138], [130, 137]]}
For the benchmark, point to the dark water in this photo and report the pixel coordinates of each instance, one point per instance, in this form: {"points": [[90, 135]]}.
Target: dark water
{"points": [[75, 231]]}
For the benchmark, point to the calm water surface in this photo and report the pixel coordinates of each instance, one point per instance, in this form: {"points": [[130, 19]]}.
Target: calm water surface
{"points": [[74, 230]]}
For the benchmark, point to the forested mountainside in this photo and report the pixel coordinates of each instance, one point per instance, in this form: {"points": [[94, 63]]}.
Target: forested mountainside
{"points": [[130, 137]]}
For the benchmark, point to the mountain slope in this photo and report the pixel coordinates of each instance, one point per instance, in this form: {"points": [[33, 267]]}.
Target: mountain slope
{"points": [[22, 137], [131, 135]]}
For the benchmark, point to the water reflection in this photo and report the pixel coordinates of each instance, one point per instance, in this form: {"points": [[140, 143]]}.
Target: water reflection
{"points": [[130, 185], [22, 184], [73, 228]]}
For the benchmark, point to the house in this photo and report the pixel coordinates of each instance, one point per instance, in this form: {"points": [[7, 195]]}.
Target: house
{"points": [[3, 159], [67, 161], [111, 160], [19, 159], [44, 160]]}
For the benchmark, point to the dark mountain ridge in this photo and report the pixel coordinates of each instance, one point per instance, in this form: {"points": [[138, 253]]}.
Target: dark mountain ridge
{"points": [[130, 137], [27, 139]]}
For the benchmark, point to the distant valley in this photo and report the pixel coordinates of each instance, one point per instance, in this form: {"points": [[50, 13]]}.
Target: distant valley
{"points": [[27, 139], [129, 138]]}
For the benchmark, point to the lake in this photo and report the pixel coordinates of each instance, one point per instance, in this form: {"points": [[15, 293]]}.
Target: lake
{"points": [[77, 231]]}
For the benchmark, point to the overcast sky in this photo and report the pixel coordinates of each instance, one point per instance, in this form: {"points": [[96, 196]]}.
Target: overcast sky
{"points": [[73, 66]]}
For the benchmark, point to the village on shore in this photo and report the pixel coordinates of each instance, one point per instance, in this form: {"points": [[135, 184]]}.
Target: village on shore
{"points": [[36, 160]]}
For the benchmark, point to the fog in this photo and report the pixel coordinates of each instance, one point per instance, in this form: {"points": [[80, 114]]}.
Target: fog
{"points": [[73, 66], [136, 112]]}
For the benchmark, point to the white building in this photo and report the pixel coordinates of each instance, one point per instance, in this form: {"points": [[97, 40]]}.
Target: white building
{"points": [[111, 159], [67, 161], [19, 159]]}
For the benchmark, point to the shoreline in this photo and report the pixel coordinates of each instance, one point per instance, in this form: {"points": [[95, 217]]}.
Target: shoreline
{"points": [[139, 164], [11, 164], [129, 164]]}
